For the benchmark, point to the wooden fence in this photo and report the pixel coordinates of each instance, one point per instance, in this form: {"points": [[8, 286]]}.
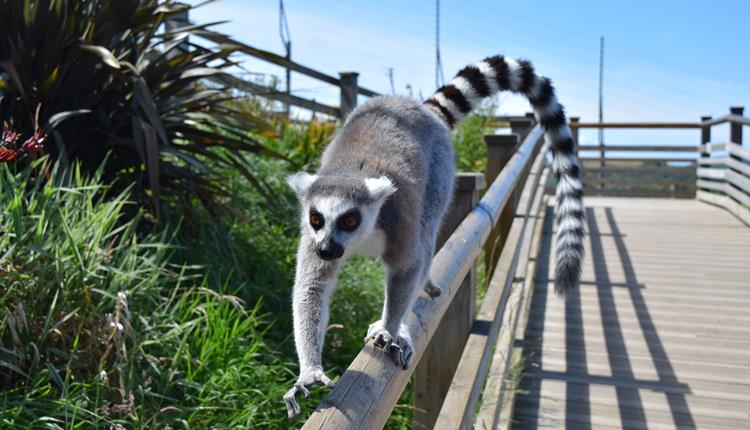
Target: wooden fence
{"points": [[667, 171], [349, 89], [724, 168], [463, 354]]}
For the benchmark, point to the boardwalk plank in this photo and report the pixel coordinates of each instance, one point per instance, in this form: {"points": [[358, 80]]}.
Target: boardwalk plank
{"points": [[658, 335]]}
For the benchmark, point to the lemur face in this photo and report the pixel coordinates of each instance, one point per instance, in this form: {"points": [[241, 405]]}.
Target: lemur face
{"points": [[335, 217]]}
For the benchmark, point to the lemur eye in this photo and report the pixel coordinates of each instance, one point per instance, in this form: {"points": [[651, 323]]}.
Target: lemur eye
{"points": [[316, 220], [349, 221]]}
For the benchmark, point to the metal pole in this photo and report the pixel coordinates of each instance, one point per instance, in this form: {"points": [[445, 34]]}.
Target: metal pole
{"points": [[439, 79], [348, 98], [286, 40], [601, 111]]}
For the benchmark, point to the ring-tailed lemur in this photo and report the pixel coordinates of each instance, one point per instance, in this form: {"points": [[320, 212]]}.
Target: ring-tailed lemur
{"points": [[383, 187]]}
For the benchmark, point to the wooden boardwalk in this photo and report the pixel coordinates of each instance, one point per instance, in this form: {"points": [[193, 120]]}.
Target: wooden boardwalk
{"points": [[657, 337]]}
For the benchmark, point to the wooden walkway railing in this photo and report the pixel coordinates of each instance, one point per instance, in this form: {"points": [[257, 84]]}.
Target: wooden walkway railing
{"points": [[346, 82], [463, 361], [369, 389], [724, 168], [667, 170]]}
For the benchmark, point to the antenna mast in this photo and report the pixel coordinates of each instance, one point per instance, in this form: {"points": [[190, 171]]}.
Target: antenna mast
{"points": [[438, 64], [601, 83], [286, 40]]}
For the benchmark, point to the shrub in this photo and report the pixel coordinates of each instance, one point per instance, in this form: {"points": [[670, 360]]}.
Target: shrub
{"points": [[468, 139], [101, 78]]}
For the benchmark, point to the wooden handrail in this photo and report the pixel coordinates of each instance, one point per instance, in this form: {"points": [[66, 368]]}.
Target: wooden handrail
{"points": [[370, 387], [648, 148], [299, 68], [497, 394], [576, 125], [640, 159], [460, 403], [730, 118], [283, 97], [724, 179]]}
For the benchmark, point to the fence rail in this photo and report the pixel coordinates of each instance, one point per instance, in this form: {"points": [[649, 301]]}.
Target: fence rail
{"points": [[459, 356], [724, 178], [346, 82], [667, 170]]}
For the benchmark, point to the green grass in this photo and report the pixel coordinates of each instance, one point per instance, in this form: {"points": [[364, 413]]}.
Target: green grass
{"points": [[100, 328], [109, 319]]}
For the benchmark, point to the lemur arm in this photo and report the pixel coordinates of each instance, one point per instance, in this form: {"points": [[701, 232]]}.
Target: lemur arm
{"points": [[313, 285]]}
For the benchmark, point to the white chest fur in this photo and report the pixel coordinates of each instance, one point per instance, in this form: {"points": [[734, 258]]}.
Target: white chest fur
{"points": [[374, 245]]}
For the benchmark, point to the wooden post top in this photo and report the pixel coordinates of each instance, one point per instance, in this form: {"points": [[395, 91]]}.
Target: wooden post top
{"points": [[501, 139], [469, 181]]}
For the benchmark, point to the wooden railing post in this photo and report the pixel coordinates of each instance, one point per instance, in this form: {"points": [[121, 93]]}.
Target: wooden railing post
{"points": [[574, 130], [522, 126], [735, 128], [500, 148], [349, 91], [705, 137], [434, 373]]}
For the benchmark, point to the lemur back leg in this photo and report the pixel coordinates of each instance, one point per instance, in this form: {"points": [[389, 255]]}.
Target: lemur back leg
{"points": [[429, 252], [389, 332]]}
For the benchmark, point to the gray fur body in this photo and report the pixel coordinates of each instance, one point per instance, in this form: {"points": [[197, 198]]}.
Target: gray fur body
{"points": [[388, 137], [383, 188], [403, 140]]}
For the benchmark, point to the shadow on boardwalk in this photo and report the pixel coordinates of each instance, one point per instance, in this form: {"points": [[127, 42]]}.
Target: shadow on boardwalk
{"points": [[561, 389]]}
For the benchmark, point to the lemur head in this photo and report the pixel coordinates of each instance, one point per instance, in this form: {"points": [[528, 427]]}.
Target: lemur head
{"points": [[339, 211]]}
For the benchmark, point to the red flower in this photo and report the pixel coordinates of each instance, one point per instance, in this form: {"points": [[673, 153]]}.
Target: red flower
{"points": [[35, 144], [7, 154], [8, 137]]}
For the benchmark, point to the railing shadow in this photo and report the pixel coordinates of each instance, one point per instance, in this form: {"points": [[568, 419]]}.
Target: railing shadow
{"points": [[534, 335], [678, 406], [628, 398], [577, 401]]}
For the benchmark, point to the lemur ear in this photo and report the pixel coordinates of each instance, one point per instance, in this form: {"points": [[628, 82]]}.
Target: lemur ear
{"points": [[300, 181], [379, 188]]}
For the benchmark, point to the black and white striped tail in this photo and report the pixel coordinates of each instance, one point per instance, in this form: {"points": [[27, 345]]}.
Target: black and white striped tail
{"points": [[473, 83]]}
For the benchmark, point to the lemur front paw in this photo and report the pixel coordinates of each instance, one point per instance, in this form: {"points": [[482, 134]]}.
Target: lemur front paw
{"points": [[307, 377], [399, 347]]}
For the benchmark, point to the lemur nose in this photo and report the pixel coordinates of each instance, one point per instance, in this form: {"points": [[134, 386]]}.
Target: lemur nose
{"points": [[330, 250]]}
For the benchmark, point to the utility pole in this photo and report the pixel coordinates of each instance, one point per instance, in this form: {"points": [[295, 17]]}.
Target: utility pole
{"points": [[390, 78], [601, 110], [286, 40], [601, 83], [438, 63]]}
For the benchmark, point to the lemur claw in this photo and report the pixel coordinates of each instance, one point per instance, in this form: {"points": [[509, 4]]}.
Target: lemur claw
{"points": [[401, 352], [306, 378], [399, 348]]}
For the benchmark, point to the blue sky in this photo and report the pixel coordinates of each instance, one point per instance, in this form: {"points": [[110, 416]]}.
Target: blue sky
{"points": [[664, 60]]}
